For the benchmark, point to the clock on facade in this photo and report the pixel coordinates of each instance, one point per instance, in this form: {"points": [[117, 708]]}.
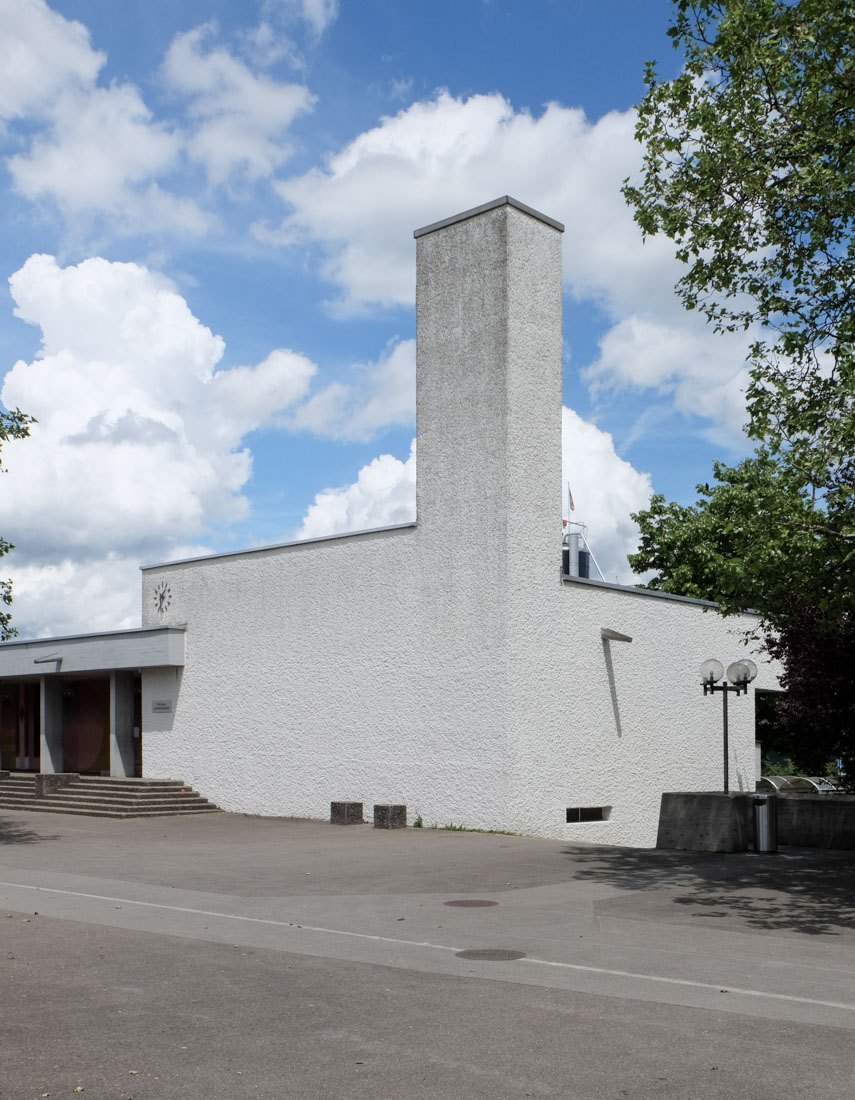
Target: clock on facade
{"points": [[162, 597]]}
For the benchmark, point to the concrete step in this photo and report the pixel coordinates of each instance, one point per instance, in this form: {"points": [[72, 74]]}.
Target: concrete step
{"points": [[105, 796], [40, 805], [130, 783], [84, 790], [17, 795], [62, 798], [131, 800]]}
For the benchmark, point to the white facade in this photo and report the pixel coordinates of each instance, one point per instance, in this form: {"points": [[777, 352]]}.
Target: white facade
{"points": [[447, 664]]}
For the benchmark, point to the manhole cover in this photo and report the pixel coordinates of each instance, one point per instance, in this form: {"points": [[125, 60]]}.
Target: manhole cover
{"points": [[470, 903], [490, 954]]}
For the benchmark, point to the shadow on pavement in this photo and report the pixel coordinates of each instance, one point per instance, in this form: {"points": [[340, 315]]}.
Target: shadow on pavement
{"points": [[12, 832], [796, 890]]}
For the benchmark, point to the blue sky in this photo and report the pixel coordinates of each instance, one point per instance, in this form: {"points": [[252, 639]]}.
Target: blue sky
{"points": [[207, 219]]}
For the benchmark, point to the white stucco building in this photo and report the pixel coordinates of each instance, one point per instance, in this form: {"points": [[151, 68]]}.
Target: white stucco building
{"points": [[447, 664]]}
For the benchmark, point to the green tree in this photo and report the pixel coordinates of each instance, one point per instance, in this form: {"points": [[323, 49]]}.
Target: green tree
{"points": [[757, 537], [13, 425], [749, 167]]}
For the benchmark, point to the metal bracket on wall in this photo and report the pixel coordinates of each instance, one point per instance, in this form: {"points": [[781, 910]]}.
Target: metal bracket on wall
{"points": [[54, 658]]}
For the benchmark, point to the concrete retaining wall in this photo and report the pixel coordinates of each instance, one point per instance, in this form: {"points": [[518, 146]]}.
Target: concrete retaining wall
{"points": [[701, 821], [817, 821]]}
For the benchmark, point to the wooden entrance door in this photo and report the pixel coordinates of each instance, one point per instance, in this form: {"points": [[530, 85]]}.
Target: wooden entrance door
{"points": [[20, 727]]}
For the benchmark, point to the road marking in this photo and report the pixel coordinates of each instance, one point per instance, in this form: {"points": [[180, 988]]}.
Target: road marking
{"points": [[695, 985], [440, 947], [231, 916]]}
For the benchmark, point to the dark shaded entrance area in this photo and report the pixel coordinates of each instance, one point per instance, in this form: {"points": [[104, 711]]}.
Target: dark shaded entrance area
{"points": [[20, 726], [86, 726], [77, 714]]}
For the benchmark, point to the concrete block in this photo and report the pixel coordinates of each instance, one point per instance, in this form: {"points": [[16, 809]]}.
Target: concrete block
{"points": [[346, 813], [390, 817], [706, 821], [48, 782]]}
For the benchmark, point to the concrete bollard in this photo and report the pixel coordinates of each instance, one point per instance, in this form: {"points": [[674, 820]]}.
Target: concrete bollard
{"points": [[390, 817], [346, 813]]}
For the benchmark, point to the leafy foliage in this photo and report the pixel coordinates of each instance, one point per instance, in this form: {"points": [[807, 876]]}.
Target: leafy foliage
{"points": [[749, 167], [13, 425], [817, 718], [756, 536]]}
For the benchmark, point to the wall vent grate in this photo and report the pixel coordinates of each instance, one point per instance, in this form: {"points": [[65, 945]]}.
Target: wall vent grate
{"points": [[587, 813]]}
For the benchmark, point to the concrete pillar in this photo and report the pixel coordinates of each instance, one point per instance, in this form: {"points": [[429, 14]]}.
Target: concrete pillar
{"points": [[50, 724], [489, 491], [122, 724]]}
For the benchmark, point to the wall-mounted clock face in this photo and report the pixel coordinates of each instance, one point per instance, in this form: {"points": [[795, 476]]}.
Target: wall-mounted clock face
{"points": [[162, 597]]}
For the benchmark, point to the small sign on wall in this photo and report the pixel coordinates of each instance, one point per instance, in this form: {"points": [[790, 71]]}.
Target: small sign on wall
{"points": [[161, 706]]}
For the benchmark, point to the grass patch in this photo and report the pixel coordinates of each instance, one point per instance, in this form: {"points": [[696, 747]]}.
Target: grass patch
{"points": [[451, 828]]}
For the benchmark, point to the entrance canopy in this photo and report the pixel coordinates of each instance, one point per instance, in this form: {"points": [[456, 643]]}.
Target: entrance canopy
{"points": [[157, 647], [74, 703]]}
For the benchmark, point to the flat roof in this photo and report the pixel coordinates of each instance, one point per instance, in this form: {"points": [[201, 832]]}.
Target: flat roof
{"points": [[505, 200], [126, 632], [280, 545], [636, 591]]}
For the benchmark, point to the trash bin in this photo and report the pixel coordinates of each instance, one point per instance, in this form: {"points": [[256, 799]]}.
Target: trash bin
{"points": [[765, 822]]}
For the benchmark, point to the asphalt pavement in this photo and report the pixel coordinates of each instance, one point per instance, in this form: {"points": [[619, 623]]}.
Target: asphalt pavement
{"points": [[224, 956]]}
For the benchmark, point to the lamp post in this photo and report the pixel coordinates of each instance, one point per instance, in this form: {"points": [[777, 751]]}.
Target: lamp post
{"points": [[740, 674]]}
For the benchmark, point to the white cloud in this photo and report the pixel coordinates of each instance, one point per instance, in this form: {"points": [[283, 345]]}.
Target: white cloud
{"points": [[606, 489], [317, 14], [137, 446], [67, 597], [43, 54], [101, 153], [383, 495], [448, 154], [400, 89], [97, 152], [378, 395], [245, 398], [238, 118], [704, 374], [265, 44]]}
